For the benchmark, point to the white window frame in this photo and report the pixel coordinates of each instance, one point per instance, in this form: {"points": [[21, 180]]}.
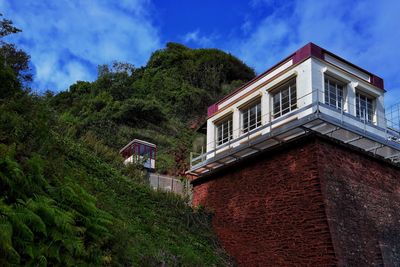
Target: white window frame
{"points": [[291, 102], [369, 115], [222, 127], [339, 86], [245, 113]]}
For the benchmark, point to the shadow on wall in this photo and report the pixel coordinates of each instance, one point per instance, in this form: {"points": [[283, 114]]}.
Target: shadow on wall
{"points": [[363, 203]]}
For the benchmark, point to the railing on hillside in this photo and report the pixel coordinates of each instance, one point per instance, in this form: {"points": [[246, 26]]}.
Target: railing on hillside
{"points": [[308, 104], [393, 117], [169, 184]]}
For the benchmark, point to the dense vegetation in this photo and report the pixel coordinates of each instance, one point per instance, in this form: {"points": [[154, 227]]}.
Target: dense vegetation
{"points": [[156, 103], [66, 199]]}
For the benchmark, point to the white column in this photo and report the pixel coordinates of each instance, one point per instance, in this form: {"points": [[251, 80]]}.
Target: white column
{"points": [[265, 107], [318, 83], [236, 122], [380, 112], [350, 98], [210, 135]]}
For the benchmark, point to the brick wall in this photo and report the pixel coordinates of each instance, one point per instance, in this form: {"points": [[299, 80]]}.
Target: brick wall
{"points": [[362, 197], [312, 203], [270, 211]]}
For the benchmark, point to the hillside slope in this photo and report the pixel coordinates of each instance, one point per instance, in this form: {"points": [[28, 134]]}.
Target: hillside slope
{"points": [[157, 102], [67, 199], [63, 205]]}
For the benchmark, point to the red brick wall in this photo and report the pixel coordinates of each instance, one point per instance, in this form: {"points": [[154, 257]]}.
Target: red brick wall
{"points": [[362, 197], [270, 211], [314, 203]]}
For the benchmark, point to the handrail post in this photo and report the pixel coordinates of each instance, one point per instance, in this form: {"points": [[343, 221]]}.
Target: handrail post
{"points": [[215, 145], [341, 112], [270, 123], [365, 121]]}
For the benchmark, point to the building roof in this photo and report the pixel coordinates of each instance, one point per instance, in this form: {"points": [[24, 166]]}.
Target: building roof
{"points": [[139, 142], [307, 51]]}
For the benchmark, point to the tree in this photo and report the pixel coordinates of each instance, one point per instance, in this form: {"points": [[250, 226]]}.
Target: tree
{"points": [[11, 56], [17, 60], [7, 27], [9, 84]]}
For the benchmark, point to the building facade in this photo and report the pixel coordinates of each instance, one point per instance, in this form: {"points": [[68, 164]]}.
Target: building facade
{"points": [[301, 167]]}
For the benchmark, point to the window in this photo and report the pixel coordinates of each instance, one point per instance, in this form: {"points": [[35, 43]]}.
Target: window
{"points": [[142, 150], [284, 99], [333, 93], [251, 116], [224, 131], [364, 107]]}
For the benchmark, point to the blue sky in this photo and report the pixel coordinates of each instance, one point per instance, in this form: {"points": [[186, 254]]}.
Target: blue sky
{"points": [[67, 39]]}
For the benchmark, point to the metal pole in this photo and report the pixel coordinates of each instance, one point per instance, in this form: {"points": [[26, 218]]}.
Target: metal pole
{"points": [[270, 122], [215, 143], [365, 122], [398, 116], [341, 112]]}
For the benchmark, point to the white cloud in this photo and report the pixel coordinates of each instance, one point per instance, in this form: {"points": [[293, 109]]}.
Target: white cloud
{"points": [[68, 39], [196, 38]]}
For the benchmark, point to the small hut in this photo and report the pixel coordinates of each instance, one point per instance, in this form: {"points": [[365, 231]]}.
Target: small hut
{"points": [[140, 151]]}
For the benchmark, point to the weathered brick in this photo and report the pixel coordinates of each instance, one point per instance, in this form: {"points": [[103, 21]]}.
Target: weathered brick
{"points": [[314, 203]]}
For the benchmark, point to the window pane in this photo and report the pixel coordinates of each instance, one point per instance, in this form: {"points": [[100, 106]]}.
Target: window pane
{"points": [[142, 150], [245, 120], [293, 97], [339, 97], [224, 131], [258, 115], [333, 93], [251, 117], [327, 91], [284, 99], [364, 107], [277, 104]]}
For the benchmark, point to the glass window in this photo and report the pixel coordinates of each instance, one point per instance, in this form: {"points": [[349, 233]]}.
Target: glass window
{"points": [[251, 117], [142, 150], [284, 99], [333, 93], [364, 107], [224, 131]]}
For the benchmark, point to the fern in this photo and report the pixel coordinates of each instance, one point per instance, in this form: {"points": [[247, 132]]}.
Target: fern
{"points": [[7, 249]]}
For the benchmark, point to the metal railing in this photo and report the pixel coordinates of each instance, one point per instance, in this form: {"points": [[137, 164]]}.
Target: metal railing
{"points": [[393, 117], [312, 102], [169, 184]]}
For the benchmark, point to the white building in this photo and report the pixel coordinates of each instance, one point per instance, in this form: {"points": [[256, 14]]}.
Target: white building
{"points": [[312, 90], [140, 151]]}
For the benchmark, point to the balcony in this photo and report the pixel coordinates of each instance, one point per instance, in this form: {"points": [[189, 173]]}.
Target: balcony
{"points": [[311, 115]]}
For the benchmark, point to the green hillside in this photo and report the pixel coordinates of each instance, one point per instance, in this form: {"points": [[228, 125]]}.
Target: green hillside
{"points": [[158, 102], [67, 200]]}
